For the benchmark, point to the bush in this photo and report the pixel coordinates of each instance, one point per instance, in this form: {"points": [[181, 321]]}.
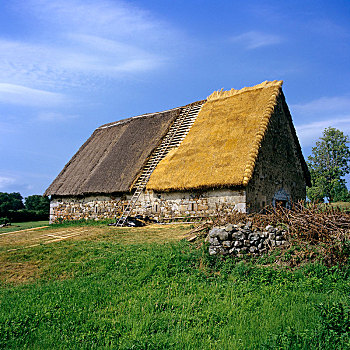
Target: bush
{"points": [[23, 215]]}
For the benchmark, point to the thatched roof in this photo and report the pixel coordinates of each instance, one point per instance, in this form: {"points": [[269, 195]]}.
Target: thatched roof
{"points": [[222, 146], [220, 149], [112, 157]]}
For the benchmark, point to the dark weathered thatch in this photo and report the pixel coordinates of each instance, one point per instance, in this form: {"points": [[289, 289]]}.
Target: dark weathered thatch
{"points": [[112, 157]]}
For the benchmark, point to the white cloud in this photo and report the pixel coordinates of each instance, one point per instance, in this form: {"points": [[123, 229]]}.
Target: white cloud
{"points": [[55, 116], [17, 94], [82, 41], [254, 39], [103, 16], [310, 132], [5, 181], [324, 105], [322, 113]]}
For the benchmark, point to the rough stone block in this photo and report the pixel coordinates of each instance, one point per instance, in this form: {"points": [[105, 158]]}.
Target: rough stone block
{"points": [[253, 250], [223, 235], [214, 241], [229, 227], [227, 244]]}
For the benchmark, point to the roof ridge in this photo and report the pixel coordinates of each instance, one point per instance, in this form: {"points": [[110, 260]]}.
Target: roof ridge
{"points": [[124, 121], [224, 94]]}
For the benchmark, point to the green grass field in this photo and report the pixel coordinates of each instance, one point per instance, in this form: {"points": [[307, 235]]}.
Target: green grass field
{"points": [[136, 289], [23, 226]]}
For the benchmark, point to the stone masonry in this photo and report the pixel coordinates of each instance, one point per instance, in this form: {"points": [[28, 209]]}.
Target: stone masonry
{"points": [[243, 239], [278, 168], [158, 205]]}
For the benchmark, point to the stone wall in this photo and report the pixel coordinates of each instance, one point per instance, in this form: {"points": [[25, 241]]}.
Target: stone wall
{"points": [[244, 239], [158, 205], [278, 173]]}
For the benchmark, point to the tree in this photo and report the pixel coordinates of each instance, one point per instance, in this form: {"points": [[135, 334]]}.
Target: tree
{"points": [[10, 201], [328, 165], [37, 203]]}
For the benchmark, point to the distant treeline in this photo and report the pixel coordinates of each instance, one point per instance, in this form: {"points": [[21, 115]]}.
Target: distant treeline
{"points": [[14, 209]]}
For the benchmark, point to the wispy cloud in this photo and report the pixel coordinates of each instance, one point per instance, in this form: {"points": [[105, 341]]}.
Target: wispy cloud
{"points": [[83, 41], [324, 105], [255, 39], [310, 132], [17, 94], [6, 181], [327, 111], [55, 117]]}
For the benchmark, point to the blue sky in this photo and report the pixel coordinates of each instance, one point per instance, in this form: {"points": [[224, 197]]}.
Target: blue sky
{"points": [[68, 66]]}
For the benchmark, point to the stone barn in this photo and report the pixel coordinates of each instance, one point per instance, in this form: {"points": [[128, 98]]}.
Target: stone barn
{"points": [[237, 149]]}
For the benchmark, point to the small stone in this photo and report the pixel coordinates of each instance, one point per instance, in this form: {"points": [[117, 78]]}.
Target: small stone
{"points": [[284, 242], [238, 244], [253, 250], [214, 232], [255, 243], [227, 244], [213, 250], [238, 235], [253, 237], [246, 231], [233, 251], [272, 235], [223, 251], [278, 238], [247, 242], [260, 246], [222, 235], [214, 241], [229, 227], [270, 228]]}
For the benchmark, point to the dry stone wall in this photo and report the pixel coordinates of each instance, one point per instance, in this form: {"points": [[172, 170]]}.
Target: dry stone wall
{"points": [[243, 239]]}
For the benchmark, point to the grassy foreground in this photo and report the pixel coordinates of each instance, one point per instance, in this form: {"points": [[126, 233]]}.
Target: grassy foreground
{"points": [[111, 291]]}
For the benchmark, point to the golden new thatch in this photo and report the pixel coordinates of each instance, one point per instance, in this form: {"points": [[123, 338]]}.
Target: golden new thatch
{"points": [[222, 146]]}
